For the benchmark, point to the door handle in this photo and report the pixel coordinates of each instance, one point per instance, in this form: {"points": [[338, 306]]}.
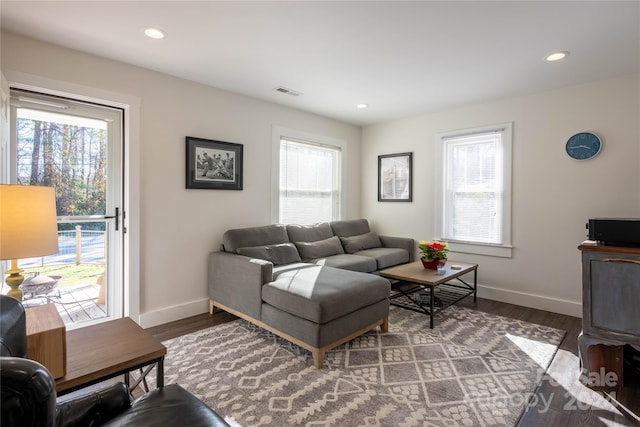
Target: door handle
{"points": [[117, 218]]}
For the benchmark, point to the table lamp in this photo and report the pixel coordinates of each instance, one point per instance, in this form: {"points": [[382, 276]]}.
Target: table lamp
{"points": [[28, 228]]}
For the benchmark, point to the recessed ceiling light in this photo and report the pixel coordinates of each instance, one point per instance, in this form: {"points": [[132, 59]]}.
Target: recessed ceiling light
{"points": [[556, 56], [155, 33], [362, 106]]}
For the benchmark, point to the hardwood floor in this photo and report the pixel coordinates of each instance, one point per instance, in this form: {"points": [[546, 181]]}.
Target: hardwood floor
{"points": [[561, 400]]}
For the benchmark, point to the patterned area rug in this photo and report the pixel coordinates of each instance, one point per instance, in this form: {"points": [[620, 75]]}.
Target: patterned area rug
{"points": [[472, 369]]}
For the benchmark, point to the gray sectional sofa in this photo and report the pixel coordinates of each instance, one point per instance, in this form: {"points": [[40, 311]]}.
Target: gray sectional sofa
{"points": [[314, 285]]}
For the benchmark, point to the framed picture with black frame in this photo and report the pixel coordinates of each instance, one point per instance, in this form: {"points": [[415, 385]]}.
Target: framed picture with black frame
{"points": [[395, 177], [213, 165]]}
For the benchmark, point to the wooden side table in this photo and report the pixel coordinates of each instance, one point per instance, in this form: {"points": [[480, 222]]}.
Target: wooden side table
{"points": [[47, 338], [107, 350]]}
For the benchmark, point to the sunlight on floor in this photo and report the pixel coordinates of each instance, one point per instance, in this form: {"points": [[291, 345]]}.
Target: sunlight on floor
{"points": [[582, 395], [537, 350], [566, 387]]}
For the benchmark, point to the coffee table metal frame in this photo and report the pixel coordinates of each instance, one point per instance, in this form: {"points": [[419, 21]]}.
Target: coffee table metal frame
{"points": [[409, 279]]}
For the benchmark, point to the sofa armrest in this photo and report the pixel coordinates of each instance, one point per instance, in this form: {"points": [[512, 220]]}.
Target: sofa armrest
{"points": [[400, 242], [13, 327], [171, 405], [28, 393], [236, 281], [94, 408]]}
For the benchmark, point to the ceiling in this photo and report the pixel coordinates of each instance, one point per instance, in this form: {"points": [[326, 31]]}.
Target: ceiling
{"points": [[400, 58]]}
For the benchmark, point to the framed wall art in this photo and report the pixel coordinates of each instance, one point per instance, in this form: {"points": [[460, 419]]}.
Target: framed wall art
{"points": [[395, 177], [214, 165]]}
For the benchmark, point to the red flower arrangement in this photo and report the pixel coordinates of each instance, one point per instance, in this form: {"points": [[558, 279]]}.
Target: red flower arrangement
{"points": [[431, 251]]}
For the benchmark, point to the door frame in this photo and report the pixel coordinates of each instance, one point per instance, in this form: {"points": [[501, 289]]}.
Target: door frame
{"points": [[131, 167]]}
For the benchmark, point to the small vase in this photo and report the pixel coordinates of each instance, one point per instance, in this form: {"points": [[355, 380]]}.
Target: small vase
{"points": [[433, 265]]}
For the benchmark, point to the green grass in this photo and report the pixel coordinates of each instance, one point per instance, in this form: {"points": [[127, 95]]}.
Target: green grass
{"points": [[83, 274]]}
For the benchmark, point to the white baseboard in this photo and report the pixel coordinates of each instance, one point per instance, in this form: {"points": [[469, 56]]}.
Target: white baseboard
{"points": [[173, 313], [555, 305]]}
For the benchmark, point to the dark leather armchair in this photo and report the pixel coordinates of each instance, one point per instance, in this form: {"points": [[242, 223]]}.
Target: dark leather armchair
{"points": [[29, 394], [13, 328]]}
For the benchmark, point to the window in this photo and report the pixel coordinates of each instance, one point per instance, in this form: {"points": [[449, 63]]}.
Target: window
{"points": [[475, 190], [308, 185]]}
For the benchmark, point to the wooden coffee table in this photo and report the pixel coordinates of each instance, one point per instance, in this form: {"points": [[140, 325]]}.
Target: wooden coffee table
{"points": [[99, 352], [408, 281]]}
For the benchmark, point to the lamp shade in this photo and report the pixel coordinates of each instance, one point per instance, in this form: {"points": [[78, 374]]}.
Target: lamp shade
{"points": [[28, 222]]}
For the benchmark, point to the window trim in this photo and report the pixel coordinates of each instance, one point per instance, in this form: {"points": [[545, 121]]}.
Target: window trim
{"points": [[504, 249], [280, 132]]}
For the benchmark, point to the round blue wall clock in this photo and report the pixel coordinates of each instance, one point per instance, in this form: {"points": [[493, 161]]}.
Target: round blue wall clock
{"points": [[583, 146]]}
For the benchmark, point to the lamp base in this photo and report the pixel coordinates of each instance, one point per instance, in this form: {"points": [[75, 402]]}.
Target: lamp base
{"points": [[14, 280]]}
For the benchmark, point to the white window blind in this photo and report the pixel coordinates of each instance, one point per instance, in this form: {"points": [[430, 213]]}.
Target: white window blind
{"points": [[476, 186], [309, 182]]}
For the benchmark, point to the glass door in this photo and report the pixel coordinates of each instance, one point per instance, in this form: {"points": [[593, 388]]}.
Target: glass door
{"points": [[76, 148]]}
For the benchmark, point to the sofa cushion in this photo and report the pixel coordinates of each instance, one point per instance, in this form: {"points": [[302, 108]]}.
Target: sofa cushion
{"points": [[288, 267], [254, 236], [386, 257], [321, 294], [320, 335], [283, 253], [320, 248], [351, 227], [360, 242], [309, 233], [363, 264]]}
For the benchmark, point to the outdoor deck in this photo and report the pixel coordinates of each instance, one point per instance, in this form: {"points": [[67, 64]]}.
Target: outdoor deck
{"points": [[75, 304], [80, 265]]}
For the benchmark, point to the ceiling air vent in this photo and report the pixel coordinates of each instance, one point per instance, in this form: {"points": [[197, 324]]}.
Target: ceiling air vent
{"points": [[287, 91]]}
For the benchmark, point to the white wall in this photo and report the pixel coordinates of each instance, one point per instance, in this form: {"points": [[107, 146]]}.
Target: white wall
{"points": [[553, 195], [179, 227]]}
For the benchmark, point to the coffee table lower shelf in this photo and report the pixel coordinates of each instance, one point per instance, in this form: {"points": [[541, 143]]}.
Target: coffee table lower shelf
{"points": [[418, 289], [445, 296]]}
